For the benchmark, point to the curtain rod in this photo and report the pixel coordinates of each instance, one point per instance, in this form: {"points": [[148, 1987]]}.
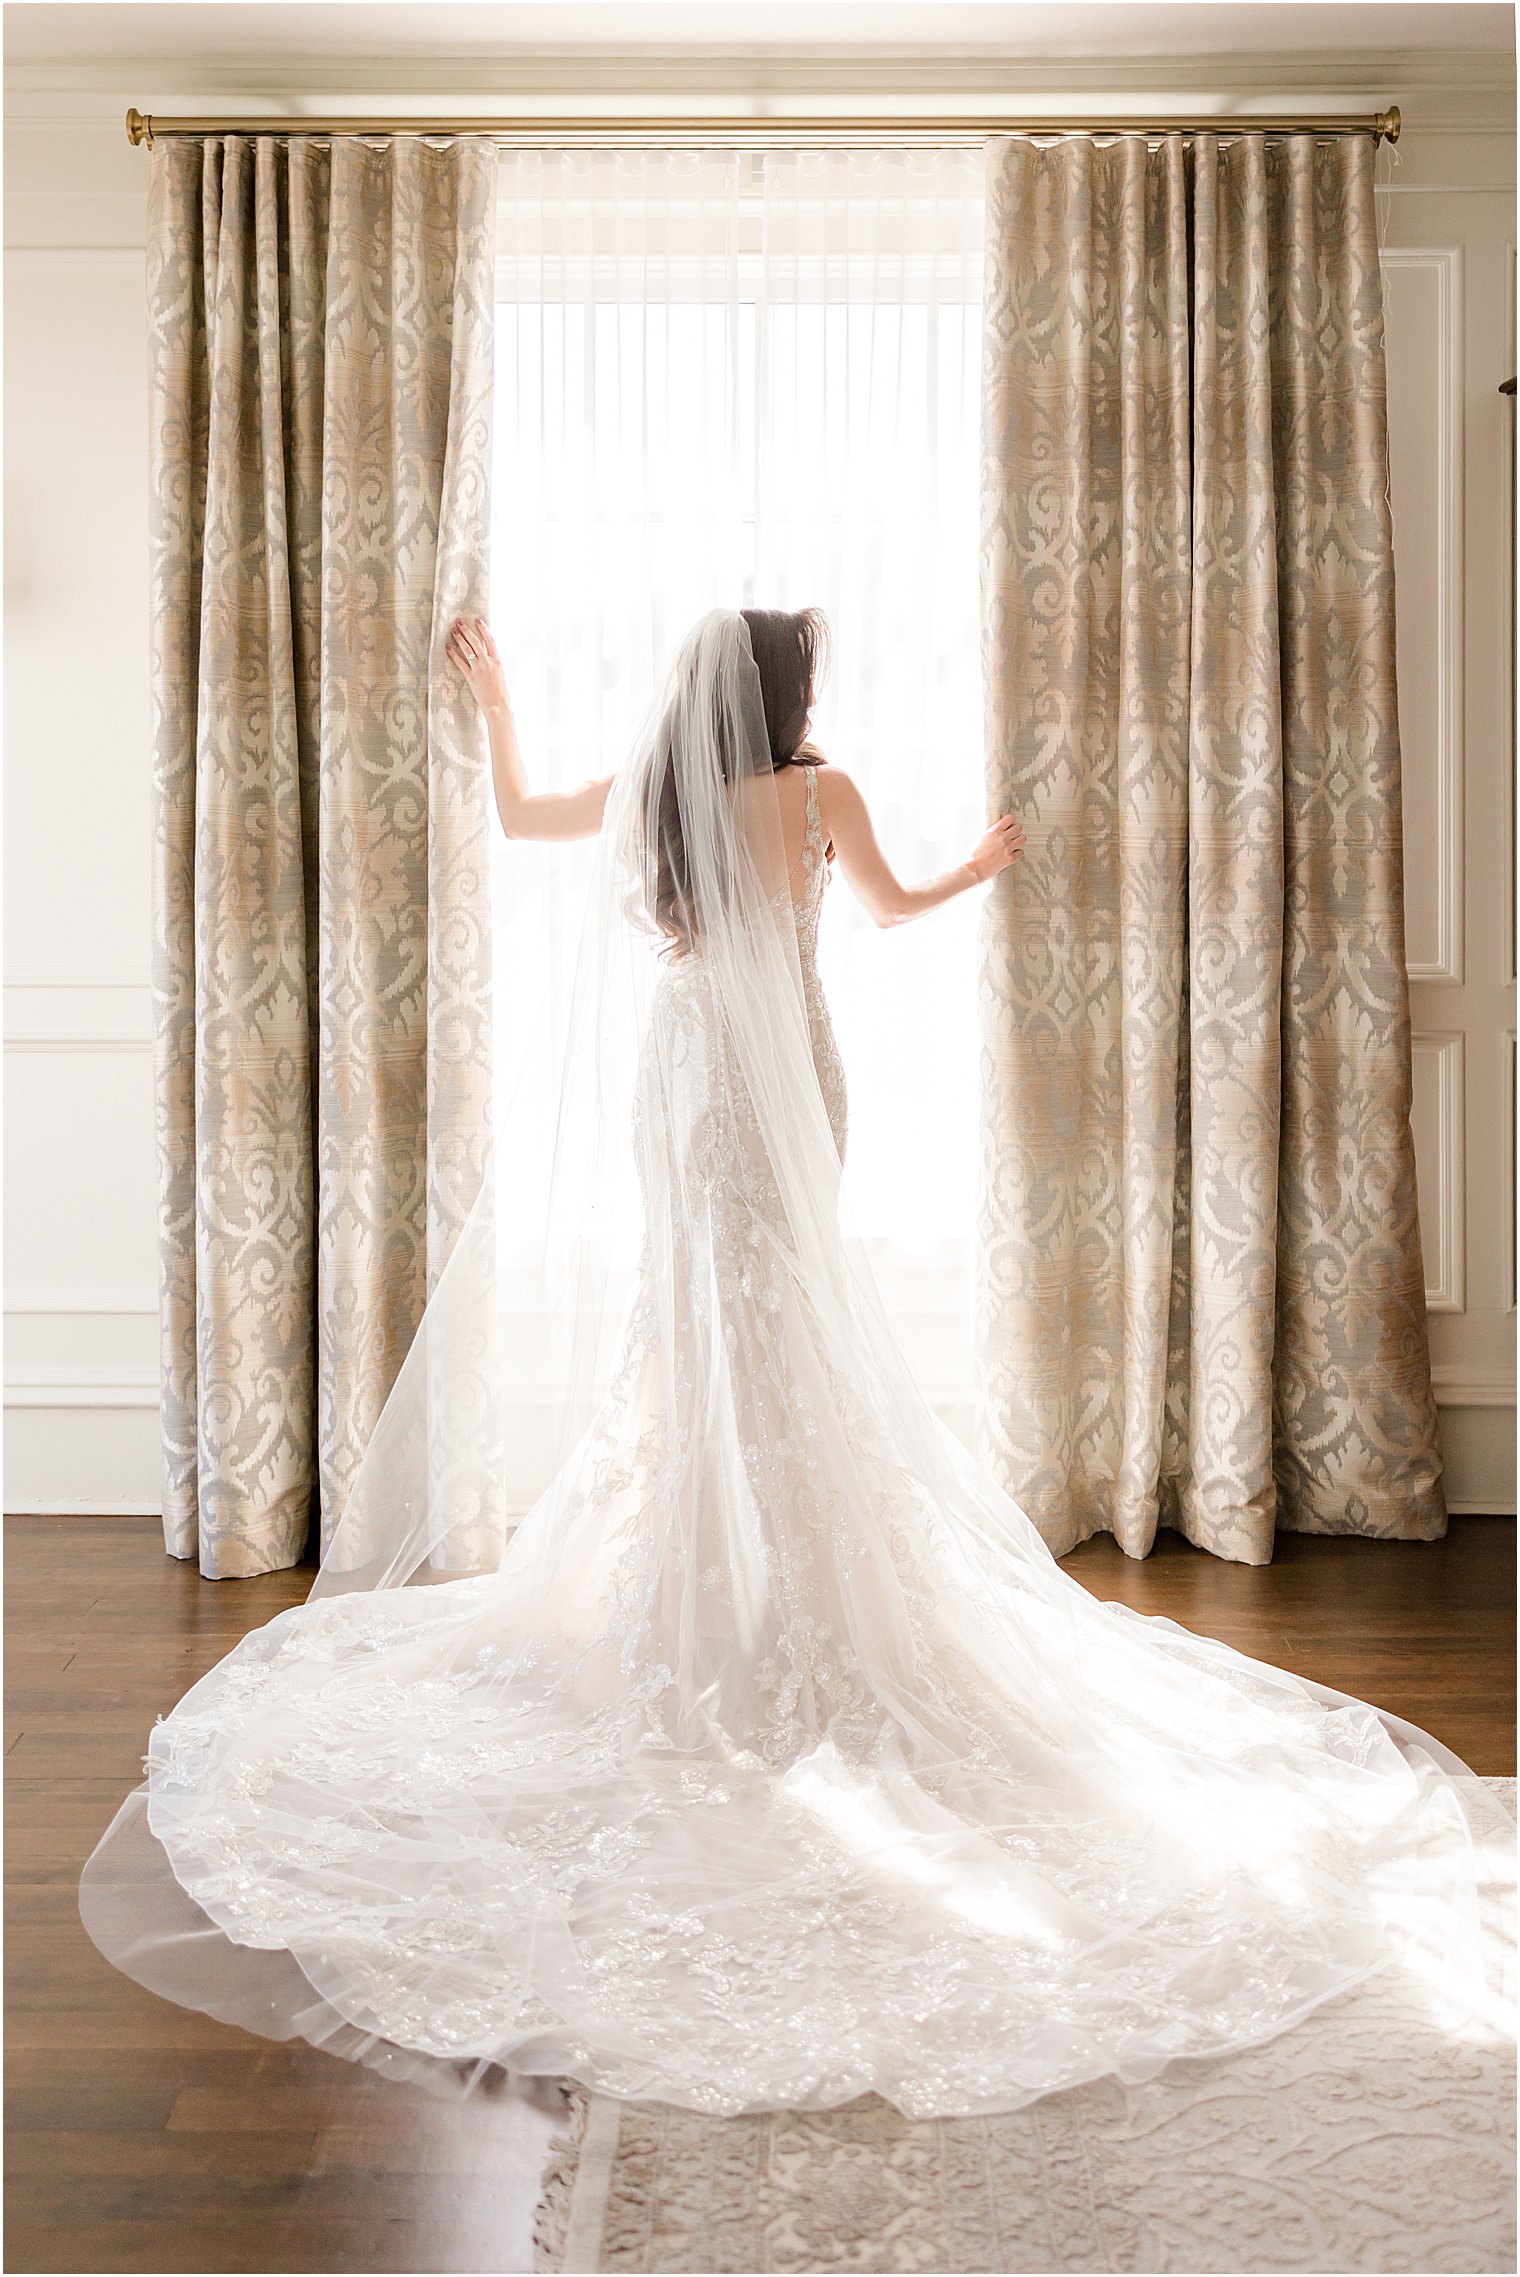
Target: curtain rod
{"points": [[528, 133]]}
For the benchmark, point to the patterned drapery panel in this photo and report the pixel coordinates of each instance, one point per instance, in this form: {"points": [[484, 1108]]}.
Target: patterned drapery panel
{"points": [[321, 343], [1201, 1298]]}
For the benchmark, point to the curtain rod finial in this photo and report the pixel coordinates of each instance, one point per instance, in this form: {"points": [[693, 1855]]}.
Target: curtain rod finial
{"points": [[1390, 123], [139, 129]]}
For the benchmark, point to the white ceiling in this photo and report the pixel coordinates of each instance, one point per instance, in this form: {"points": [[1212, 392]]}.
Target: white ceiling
{"points": [[158, 37]]}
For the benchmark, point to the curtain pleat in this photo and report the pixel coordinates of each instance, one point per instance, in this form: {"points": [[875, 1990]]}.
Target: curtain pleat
{"points": [[321, 329], [1226, 1493], [1357, 1436], [1200, 1292]]}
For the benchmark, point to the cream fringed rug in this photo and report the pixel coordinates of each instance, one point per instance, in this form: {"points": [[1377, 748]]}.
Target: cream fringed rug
{"points": [[1376, 2135]]}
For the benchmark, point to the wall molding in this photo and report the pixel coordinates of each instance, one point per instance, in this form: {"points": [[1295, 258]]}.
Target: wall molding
{"points": [[1446, 1285], [1436, 189], [114, 255], [1510, 535], [84, 87], [84, 1040], [50, 1012], [1507, 1082], [1446, 261], [27, 1303], [95, 1387], [1455, 1386], [41, 978]]}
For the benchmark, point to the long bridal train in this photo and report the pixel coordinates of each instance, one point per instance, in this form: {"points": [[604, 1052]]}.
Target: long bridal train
{"points": [[774, 1760]]}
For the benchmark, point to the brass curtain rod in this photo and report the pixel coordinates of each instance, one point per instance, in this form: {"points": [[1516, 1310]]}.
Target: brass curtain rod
{"points": [[630, 131]]}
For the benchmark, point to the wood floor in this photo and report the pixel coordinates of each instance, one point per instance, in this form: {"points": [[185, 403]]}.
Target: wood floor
{"points": [[141, 2137], [1424, 1629]]}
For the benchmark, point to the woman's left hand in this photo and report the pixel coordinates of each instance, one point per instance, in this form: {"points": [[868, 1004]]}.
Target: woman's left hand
{"points": [[471, 648]]}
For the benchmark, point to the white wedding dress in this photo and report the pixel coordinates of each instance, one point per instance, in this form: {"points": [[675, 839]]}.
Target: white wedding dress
{"points": [[775, 1761]]}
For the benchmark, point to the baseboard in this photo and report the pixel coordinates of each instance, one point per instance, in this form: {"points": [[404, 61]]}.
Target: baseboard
{"points": [[22, 1507]]}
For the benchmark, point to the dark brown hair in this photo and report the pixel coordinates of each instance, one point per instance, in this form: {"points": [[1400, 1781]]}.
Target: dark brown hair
{"points": [[791, 651], [790, 647]]}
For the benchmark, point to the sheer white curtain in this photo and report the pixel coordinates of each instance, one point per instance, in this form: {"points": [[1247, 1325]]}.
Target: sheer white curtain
{"points": [[727, 379]]}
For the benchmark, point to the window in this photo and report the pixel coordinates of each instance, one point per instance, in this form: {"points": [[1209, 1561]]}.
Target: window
{"points": [[726, 379]]}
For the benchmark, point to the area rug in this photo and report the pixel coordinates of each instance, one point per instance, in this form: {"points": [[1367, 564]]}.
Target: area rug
{"points": [[1376, 2135]]}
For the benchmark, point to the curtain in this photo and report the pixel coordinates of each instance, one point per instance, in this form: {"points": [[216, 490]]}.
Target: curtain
{"points": [[1201, 1297], [320, 327], [727, 379]]}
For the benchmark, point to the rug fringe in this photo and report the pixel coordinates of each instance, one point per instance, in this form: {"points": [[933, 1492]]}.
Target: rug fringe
{"points": [[551, 2216]]}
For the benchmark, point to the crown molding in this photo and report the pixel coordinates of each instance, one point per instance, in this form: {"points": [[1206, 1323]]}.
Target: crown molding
{"points": [[1460, 95], [707, 73]]}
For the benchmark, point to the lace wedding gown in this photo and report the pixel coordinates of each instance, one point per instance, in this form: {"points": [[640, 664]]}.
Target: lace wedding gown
{"points": [[776, 1761]]}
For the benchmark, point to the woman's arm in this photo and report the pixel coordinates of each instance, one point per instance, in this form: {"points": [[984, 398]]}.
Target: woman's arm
{"points": [[870, 875], [524, 813]]}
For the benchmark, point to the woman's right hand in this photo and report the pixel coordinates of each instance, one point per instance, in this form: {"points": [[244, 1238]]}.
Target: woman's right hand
{"points": [[998, 850]]}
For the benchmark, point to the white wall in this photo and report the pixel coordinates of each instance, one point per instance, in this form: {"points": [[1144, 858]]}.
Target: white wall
{"points": [[80, 1284], [1448, 216], [80, 1299]]}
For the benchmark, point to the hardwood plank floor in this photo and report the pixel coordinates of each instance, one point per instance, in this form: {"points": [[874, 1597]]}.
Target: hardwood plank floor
{"points": [[1424, 1629], [142, 2137]]}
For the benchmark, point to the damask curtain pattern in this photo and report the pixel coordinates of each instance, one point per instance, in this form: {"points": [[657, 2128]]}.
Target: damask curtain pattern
{"points": [[1201, 1295], [321, 349]]}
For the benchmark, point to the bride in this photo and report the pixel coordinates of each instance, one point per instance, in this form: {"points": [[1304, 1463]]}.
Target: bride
{"points": [[773, 1759]]}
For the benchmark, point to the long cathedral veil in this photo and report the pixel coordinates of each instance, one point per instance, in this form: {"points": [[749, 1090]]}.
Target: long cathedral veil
{"points": [[771, 1758], [688, 899]]}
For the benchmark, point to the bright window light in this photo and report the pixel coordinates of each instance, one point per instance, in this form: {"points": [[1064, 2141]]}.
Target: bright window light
{"points": [[741, 379]]}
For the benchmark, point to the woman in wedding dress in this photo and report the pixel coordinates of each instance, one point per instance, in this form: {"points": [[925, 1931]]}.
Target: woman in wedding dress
{"points": [[773, 1760]]}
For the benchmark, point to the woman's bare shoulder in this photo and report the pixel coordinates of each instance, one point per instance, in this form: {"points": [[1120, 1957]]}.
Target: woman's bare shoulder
{"points": [[838, 792]]}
